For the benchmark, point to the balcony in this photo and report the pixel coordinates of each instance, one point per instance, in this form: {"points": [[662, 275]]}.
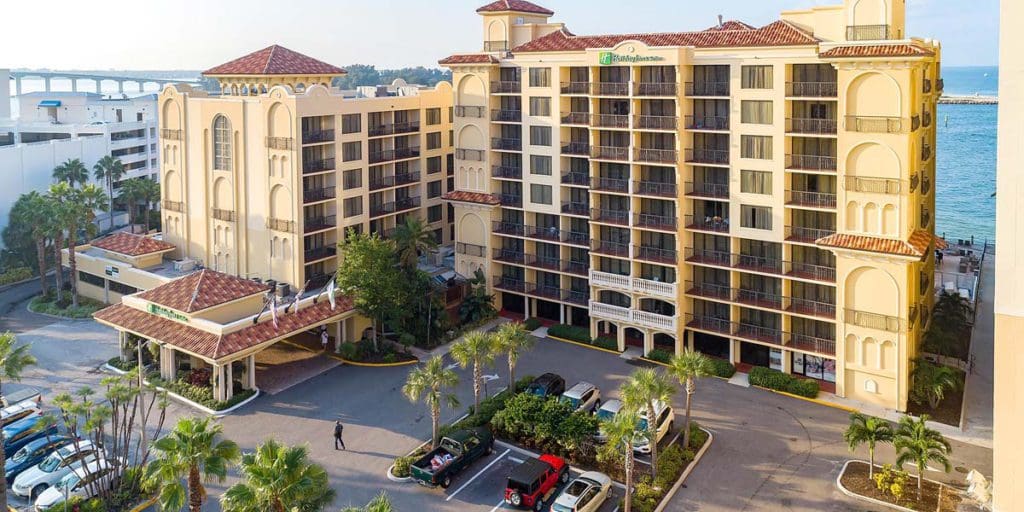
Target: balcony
{"points": [[609, 121], [814, 344], [642, 122], [551, 233], [657, 89], [658, 222], [709, 290], [496, 46], [512, 200], [616, 153], [655, 188], [173, 206], [712, 89], [707, 123], [608, 311], [926, 119], [915, 180], [872, 185], [285, 143], [708, 156], [618, 217], [287, 226], [874, 124], [810, 199], [546, 263], [806, 235], [926, 184], [808, 307], [318, 223], [506, 87], [758, 333], [388, 155], [710, 190], [512, 256], [709, 257], [313, 137], [633, 316], [508, 228], [576, 208], [755, 263], [507, 172], [393, 129], [470, 111], [610, 88], [472, 155], [318, 280], [580, 118], [633, 284], [709, 323], [506, 116], [607, 248], [656, 254], [706, 223], [874, 320], [609, 184], [548, 292], [940, 85], [313, 195], [576, 178], [812, 272], [376, 210], [321, 165], [169, 134], [508, 283], [576, 148], [926, 152], [758, 298], [319, 253], [926, 217], [222, 214], [576, 238], [394, 181], [578, 297], [811, 162], [812, 89], [657, 156], [812, 126], [867, 33], [580, 268], [575, 88], [476, 251], [506, 144]]}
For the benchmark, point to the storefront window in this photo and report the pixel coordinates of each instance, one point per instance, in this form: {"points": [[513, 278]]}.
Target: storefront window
{"points": [[814, 367]]}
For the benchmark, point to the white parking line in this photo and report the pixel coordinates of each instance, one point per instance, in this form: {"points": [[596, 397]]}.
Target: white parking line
{"points": [[478, 473], [499, 505], [517, 461]]}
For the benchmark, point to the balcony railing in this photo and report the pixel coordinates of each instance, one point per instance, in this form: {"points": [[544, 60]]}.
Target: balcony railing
{"points": [[872, 185], [318, 194], [655, 188], [507, 172], [657, 156], [287, 226], [509, 283], [508, 228], [926, 184], [279, 143], [704, 189], [810, 199], [544, 232], [512, 256], [709, 323], [874, 124], [811, 162], [388, 155], [609, 184], [547, 291], [576, 208], [222, 214], [706, 223], [661, 222], [814, 344], [506, 115], [812, 89], [506, 144], [513, 200], [575, 87], [718, 123], [394, 181], [633, 284], [709, 257], [323, 164], [867, 32], [546, 262], [756, 263], [758, 332], [576, 118], [807, 235], [643, 122], [616, 153], [926, 152], [812, 126], [709, 290], [758, 298], [318, 223], [874, 320], [319, 253], [656, 89], [173, 206], [578, 297], [576, 237], [926, 217], [576, 148], [707, 88], [169, 134], [506, 87], [811, 271], [581, 268], [312, 137], [926, 119], [576, 178], [610, 88], [609, 121], [620, 217], [470, 111], [656, 254], [393, 128], [634, 316], [495, 46], [708, 156], [812, 307], [609, 248], [476, 251]]}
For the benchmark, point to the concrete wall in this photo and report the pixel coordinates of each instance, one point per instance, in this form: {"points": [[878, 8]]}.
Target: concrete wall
{"points": [[5, 93]]}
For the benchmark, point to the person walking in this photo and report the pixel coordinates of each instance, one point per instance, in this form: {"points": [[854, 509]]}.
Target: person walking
{"points": [[338, 428], [324, 338]]}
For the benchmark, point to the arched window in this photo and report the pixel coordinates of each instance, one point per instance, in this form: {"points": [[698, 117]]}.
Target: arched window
{"points": [[221, 144]]}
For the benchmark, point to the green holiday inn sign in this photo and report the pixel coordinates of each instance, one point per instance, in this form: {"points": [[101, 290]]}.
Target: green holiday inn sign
{"points": [[609, 58]]}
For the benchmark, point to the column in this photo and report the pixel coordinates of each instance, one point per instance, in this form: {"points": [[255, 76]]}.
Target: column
{"points": [[787, 361], [46, 81], [120, 86], [74, 85], [17, 86], [339, 334], [167, 365], [122, 342], [734, 351], [250, 371], [229, 381], [561, 313], [620, 337], [648, 342], [689, 339], [526, 302], [681, 343], [98, 88]]}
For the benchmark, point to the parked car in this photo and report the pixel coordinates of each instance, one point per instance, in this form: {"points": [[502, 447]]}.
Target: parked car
{"points": [[26, 430], [31, 454], [582, 396], [455, 452], [665, 420], [584, 494], [606, 412], [21, 395], [546, 385], [19, 411], [531, 480], [36, 479], [84, 482]]}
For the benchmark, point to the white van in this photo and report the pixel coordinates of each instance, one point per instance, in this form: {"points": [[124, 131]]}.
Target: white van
{"points": [[665, 420]]}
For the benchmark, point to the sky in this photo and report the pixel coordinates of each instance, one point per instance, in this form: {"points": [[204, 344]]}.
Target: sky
{"points": [[199, 34]]}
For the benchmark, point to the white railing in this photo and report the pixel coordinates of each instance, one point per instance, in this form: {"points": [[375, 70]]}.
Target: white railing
{"points": [[609, 280], [601, 310], [633, 284], [633, 316], [653, 320], [648, 287]]}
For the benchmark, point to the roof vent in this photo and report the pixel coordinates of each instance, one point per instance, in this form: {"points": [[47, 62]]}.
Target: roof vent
{"points": [[720, 21]]}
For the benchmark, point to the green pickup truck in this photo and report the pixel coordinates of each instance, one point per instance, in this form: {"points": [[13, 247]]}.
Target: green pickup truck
{"points": [[456, 452]]}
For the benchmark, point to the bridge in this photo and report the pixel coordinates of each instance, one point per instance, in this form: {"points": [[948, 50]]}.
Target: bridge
{"points": [[97, 80]]}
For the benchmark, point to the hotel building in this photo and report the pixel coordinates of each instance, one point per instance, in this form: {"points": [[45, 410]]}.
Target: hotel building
{"points": [[761, 194]]}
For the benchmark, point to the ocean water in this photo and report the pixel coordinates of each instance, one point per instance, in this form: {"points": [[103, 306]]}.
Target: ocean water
{"points": [[970, 80]]}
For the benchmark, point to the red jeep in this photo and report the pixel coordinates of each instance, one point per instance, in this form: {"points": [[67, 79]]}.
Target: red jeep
{"points": [[533, 479]]}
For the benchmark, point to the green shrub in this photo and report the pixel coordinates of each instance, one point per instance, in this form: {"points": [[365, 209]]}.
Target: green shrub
{"points": [[204, 395], [722, 368], [570, 332], [13, 275], [121, 364], [403, 466], [659, 355], [606, 343], [390, 358], [531, 324], [349, 351], [47, 305], [697, 438], [774, 379], [545, 424]]}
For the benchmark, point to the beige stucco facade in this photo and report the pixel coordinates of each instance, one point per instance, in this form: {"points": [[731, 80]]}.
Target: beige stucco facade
{"points": [[747, 201]]}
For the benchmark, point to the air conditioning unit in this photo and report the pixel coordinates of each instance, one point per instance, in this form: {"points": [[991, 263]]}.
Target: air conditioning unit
{"points": [[185, 265]]}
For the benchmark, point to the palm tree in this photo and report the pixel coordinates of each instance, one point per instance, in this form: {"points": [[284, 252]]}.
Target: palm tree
{"points": [[412, 239], [192, 452], [149, 193], [13, 361], [379, 503], [278, 478], [432, 381], [108, 170], [478, 349], [513, 339], [73, 172], [60, 195], [621, 431], [82, 205], [640, 392], [867, 430], [929, 382], [32, 211], [130, 193], [917, 443], [688, 367]]}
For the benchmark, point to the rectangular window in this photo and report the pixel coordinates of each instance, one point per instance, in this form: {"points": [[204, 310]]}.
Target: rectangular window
{"points": [[756, 146], [353, 206], [540, 164], [756, 112], [433, 189], [756, 77], [351, 151], [540, 135], [434, 213], [434, 140], [433, 116], [755, 182], [433, 165], [540, 194], [540, 77], [121, 288], [540, 106], [91, 279], [352, 178], [451, 114], [351, 123], [756, 217]]}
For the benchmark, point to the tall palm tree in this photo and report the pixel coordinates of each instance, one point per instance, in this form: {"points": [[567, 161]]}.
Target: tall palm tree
{"points": [[149, 193], [412, 239], [379, 503], [130, 193], [433, 382], [917, 443], [73, 172], [278, 478], [81, 211], [620, 431], [867, 430], [640, 392], [60, 195], [13, 361], [687, 368], [32, 210], [513, 339], [108, 170], [477, 349], [193, 452]]}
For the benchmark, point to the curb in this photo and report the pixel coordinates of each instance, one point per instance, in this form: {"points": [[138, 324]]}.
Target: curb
{"points": [[854, 495], [346, 361], [144, 505], [812, 400], [186, 401], [585, 345], [398, 479], [686, 472], [28, 307]]}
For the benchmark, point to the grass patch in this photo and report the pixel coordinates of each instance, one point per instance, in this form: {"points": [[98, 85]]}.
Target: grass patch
{"points": [[47, 304]]}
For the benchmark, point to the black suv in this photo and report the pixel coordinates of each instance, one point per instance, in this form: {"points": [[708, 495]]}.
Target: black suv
{"points": [[547, 385]]}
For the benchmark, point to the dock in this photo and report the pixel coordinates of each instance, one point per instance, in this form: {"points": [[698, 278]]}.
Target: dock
{"points": [[947, 99]]}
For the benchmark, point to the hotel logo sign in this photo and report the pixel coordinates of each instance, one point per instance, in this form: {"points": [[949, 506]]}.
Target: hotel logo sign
{"points": [[609, 58], [166, 313]]}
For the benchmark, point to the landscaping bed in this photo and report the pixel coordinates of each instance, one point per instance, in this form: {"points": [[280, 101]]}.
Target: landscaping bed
{"points": [[582, 335], [949, 409], [194, 385], [719, 367], [774, 379], [14, 275], [48, 305], [934, 496], [363, 352]]}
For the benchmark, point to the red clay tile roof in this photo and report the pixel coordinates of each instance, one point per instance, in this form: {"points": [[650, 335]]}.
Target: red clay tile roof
{"points": [[476, 58], [275, 60], [201, 290], [731, 25], [130, 244], [471, 197], [877, 50], [917, 245], [779, 33], [215, 346], [515, 6]]}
